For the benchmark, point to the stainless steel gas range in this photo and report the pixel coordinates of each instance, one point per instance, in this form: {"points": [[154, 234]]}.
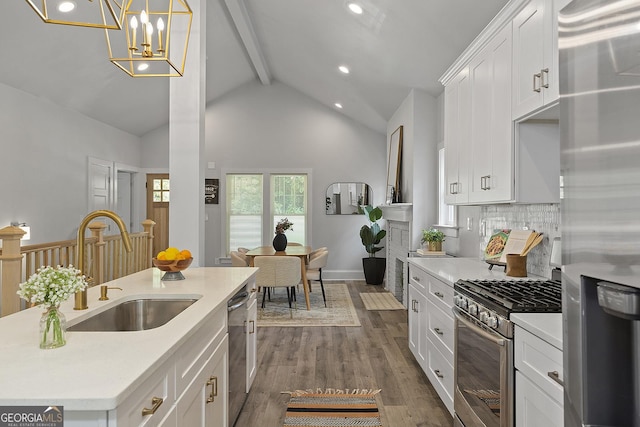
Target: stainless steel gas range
{"points": [[483, 353]]}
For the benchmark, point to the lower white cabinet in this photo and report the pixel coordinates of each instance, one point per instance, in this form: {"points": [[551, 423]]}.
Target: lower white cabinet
{"points": [[418, 325], [431, 330], [538, 389], [204, 403]]}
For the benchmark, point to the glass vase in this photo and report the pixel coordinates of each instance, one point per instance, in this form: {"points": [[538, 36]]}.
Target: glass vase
{"points": [[53, 326]]}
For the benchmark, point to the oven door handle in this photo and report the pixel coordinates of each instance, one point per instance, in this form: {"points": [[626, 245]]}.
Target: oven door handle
{"points": [[490, 336]]}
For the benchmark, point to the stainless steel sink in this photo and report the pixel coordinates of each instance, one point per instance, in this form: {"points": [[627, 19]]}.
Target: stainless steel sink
{"points": [[135, 315]]}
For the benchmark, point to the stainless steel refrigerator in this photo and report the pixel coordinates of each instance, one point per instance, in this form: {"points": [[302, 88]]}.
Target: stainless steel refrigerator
{"points": [[599, 45]]}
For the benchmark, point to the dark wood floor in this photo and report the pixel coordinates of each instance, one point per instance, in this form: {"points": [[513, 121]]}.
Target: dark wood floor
{"points": [[373, 356]]}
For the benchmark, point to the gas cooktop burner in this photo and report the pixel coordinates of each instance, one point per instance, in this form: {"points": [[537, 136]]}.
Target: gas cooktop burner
{"points": [[514, 296]]}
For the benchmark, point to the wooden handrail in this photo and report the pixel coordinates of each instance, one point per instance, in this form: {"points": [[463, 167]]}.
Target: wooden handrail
{"points": [[105, 258]]}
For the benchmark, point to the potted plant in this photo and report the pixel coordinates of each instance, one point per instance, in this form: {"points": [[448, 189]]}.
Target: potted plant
{"points": [[433, 238], [371, 235]]}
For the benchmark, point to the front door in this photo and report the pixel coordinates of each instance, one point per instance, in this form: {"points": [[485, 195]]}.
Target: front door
{"points": [[158, 209]]}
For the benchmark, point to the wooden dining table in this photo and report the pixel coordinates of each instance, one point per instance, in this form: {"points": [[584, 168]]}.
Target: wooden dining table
{"points": [[301, 252]]}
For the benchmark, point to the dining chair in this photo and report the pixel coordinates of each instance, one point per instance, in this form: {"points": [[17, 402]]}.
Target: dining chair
{"points": [[277, 271], [314, 270], [243, 250], [238, 259]]}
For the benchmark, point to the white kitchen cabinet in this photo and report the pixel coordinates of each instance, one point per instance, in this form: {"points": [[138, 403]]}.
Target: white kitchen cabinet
{"points": [[252, 342], [431, 330], [417, 325], [457, 132], [538, 389], [535, 56], [204, 403], [491, 168]]}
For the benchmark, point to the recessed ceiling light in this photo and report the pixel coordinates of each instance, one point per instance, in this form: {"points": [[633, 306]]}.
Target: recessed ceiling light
{"points": [[355, 8], [338, 105], [66, 6], [143, 66], [344, 69]]}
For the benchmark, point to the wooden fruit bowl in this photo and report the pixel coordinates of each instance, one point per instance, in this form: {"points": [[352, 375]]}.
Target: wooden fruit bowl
{"points": [[172, 268]]}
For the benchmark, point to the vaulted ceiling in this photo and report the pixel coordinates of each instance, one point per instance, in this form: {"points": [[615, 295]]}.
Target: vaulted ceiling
{"points": [[393, 47]]}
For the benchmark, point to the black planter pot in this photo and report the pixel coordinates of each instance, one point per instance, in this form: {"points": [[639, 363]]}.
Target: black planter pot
{"points": [[374, 269], [280, 242]]}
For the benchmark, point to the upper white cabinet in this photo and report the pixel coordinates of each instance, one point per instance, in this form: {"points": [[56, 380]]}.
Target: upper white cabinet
{"points": [[489, 158], [457, 132], [491, 168], [535, 56]]}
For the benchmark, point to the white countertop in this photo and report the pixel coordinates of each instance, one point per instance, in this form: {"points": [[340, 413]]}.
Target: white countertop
{"points": [[97, 370], [452, 269], [546, 326]]}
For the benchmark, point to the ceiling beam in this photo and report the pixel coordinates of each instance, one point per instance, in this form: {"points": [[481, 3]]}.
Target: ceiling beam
{"points": [[241, 20]]}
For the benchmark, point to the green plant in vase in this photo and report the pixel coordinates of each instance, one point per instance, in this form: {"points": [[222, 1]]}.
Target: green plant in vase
{"points": [[433, 238], [371, 235]]}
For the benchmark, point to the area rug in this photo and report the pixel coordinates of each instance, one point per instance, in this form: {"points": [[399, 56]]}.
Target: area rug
{"points": [[339, 311], [380, 301], [333, 408]]}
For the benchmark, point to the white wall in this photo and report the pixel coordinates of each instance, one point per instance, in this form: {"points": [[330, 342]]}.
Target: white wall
{"points": [[418, 114], [274, 127], [43, 166], [278, 128]]}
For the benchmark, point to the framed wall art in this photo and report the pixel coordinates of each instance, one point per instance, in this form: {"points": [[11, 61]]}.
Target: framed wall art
{"points": [[211, 195]]}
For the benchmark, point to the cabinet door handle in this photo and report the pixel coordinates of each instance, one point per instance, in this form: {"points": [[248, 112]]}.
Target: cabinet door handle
{"points": [[416, 305], [155, 402], [484, 182], [438, 374], [439, 295], [416, 278], [554, 375], [544, 83], [213, 382], [451, 188], [438, 331], [253, 327], [536, 76]]}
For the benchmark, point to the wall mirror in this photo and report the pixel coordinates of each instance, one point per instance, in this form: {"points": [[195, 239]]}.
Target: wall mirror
{"points": [[347, 198], [395, 166]]}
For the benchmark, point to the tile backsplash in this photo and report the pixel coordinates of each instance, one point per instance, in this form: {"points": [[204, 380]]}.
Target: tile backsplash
{"points": [[543, 218]]}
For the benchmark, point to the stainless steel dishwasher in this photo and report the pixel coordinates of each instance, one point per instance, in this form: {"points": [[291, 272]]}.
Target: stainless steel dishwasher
{"points": [[237, 307]]}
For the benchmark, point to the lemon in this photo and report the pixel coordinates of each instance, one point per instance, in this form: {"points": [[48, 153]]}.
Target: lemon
{"points": [[171, 253], [162, 255]]}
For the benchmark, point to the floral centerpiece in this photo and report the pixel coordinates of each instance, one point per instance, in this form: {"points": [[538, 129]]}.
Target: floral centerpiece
{"points": [[49, 287], [284, 225], [280, 241]]}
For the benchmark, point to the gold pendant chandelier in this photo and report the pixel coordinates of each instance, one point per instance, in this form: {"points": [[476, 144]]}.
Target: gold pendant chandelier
{"points": [[155, 38], [82, 13]]}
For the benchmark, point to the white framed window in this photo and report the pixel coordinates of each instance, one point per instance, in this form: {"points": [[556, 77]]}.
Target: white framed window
{"points": [[257, 201], [447, 214]]}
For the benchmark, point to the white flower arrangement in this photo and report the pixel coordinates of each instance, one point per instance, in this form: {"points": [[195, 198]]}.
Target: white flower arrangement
{"points": [[50, 286]]}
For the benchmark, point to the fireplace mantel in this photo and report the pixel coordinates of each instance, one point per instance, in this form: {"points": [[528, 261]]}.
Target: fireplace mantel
{"points": [[397, 212]]}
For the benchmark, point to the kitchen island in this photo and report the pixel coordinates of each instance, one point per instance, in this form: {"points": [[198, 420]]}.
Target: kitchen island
{"points": [[96, 374]]}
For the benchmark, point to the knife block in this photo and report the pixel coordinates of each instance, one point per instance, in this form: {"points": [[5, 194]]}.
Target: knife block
{"points": [[516, 265]]}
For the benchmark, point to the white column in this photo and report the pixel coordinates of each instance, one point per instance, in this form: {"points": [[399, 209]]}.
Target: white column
{"points": [[187, 101]]}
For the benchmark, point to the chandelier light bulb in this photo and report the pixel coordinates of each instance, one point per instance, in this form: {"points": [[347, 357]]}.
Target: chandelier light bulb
{"points": [[160, 24], [149, 29], [143, 66], [134, 23], [143, 17]]}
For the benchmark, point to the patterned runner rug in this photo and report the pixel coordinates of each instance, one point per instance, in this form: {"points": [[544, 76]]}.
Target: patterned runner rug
{"points": [[333, 408], [380, 301], [338, 312]]}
